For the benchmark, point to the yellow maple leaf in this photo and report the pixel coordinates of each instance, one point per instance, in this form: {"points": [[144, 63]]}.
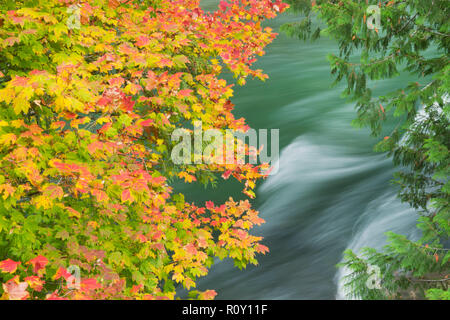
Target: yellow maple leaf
{"points": [[7, 95], [21, 104], [178, 277], [8, 139]]}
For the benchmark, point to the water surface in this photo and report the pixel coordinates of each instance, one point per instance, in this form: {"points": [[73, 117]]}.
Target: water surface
{"points": [[332, 191]]}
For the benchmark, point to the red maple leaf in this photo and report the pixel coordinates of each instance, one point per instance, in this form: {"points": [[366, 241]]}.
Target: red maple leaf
{"points": [[38, 263], [90, 284], [62, 273], [54, 296], [226, 174], [8, 265], [146, 123], [209, 205], [185, 93]]}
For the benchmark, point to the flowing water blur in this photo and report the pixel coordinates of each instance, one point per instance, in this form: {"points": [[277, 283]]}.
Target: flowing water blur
{"points": [[332, 191]]}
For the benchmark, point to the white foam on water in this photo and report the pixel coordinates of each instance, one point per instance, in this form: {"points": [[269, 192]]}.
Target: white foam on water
{"points": [[386, 213]]}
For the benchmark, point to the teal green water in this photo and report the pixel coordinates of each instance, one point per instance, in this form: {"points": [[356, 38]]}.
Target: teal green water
{"points": [[332, 191]]}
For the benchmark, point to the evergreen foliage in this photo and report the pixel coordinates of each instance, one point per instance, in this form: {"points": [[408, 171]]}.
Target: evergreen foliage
{"points": [[413, 37]]}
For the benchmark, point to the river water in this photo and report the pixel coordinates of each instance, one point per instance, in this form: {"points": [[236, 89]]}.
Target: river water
{"points": [[332, 191]]}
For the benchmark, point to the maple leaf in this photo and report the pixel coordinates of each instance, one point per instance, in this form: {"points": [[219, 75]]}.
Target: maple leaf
{"points": [[15, 289], [90, 284], [161, 70], [100, 195], [178, 277], [142, 238], [73, 212], [188, 283], [226, 174], [9, 265], [94, 146], [11, 41], [181, 60], [8, 139], [261, 249], [209, 205], [190, 248], [185, 93], [35, 283], [142, 41], [126, 196], [223, 5], [54, 296], [146, 123], [187, 177], [7, 190], [62, 273], [137, 288], [53, 192], [116, 81], [208, 295], [38, 263]]}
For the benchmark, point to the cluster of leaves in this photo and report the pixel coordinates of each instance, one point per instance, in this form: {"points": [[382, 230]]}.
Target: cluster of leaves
{"points": [[414, 37], [85, 124]]}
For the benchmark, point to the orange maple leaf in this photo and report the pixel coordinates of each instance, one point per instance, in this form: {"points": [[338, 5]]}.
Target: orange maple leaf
{"points": [[208, 295]]}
